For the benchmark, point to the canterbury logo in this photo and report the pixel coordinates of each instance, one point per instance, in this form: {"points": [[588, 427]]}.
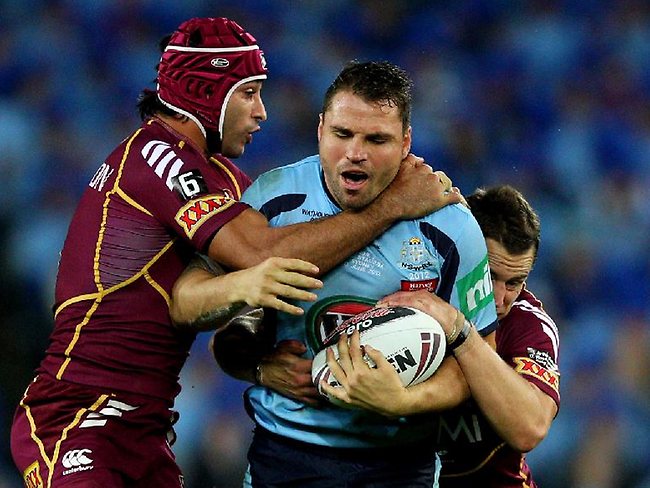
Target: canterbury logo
{"points": [[76, 458], [166, 163], [112, 409]]}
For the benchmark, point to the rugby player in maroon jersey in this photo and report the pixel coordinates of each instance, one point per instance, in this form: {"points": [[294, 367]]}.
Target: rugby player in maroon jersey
{"points": [[99, 410], [511, 418]]}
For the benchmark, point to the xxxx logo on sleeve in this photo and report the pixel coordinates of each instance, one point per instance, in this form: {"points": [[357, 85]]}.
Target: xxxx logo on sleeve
{"points": [[197, 211], [475, 289], [32, 476], [529, 367]]}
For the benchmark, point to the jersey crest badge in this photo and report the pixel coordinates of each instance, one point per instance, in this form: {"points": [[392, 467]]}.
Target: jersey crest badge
{"points": [[542, 358], [197, 211], [414, 255]]}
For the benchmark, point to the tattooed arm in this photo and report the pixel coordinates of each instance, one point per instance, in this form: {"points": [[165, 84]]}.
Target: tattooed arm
{"points": [[205, 297]]}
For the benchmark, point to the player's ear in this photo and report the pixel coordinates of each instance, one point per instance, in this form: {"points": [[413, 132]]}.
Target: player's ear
{"points": [[320, 126], [406, 142]]}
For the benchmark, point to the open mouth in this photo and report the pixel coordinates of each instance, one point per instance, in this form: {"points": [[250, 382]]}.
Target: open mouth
{"points": [[354, 179]]}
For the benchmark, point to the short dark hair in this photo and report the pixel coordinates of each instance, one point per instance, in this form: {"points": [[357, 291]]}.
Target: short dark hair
{"points": [[506, 216], [374, 81]]}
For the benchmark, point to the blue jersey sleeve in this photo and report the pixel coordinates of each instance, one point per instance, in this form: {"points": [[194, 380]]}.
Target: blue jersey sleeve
{"points": [[278, 193], [465, 275], [255, 195]]}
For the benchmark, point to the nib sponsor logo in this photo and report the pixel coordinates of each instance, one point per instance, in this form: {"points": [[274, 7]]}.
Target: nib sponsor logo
{"points": [[76, 460], [475, 289]]}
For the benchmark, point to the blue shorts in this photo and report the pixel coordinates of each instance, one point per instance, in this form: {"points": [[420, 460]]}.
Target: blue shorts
{"points": [[276, 461]]}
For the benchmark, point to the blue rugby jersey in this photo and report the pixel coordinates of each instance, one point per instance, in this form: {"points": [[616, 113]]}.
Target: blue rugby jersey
{"points": [[444, 252]]}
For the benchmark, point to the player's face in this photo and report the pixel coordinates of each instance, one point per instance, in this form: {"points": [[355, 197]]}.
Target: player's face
{"points": [[361, 146], [509, 273], [244, 112]]}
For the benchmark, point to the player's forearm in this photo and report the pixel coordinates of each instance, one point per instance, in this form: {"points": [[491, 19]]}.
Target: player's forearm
{"points": [[415, 191], [519, 412], [202, 301], [328, 242], [446, 389], [248, 240]]}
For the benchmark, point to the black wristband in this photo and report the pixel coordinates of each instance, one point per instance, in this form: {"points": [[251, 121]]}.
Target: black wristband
{"points": [[462, 336]]}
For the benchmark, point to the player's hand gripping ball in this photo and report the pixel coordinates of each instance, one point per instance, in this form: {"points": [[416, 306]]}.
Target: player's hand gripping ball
{"points": [[412, 341]]}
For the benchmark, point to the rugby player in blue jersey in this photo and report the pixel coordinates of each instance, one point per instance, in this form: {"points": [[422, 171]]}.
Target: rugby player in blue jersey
{"points": [[364, 133]]}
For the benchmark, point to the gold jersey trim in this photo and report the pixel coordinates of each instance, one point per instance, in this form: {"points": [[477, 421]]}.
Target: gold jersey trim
{"points": [[101, 292], [475, 468], [50, 463]]}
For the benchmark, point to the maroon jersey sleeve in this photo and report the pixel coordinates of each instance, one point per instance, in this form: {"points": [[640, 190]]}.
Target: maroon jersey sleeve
{"points": [[529, 341], [471, 452], [193, 196]]}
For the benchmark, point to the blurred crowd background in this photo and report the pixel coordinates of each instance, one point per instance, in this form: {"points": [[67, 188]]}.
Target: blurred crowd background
{"points": [[551, 96]]}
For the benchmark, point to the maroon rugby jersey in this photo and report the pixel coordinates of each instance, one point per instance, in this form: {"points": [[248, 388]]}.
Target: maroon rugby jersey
{"points": [[149, 206], [474, 455]]}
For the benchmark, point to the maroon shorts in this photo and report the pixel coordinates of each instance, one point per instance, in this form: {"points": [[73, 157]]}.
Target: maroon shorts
{"points": [[68, 435]]}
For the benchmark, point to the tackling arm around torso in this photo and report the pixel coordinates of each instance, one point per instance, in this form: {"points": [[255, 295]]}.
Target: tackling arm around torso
{"points": [[520, 413], [248, 239], [266, 255], [517, 410]]}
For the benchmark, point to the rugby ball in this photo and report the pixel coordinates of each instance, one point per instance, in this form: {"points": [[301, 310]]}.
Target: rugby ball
{"points": [[412, 341]]}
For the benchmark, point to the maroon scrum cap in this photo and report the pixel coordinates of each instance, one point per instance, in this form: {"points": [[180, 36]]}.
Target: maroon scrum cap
{"points": [[205, 60]]}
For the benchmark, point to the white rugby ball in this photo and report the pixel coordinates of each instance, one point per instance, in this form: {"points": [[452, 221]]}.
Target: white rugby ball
{"points": [[412, 341]]}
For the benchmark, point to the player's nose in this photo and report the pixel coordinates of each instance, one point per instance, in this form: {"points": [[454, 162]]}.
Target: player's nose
{"points": [[355, 150], [499, 288]]}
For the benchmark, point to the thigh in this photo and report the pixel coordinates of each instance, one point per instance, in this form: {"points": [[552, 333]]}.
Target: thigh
{"points": [[397, 474], [69, 435], [280, 462], [97, 478], [58, 463], [163, 472], [275, 463], [47, 444]]}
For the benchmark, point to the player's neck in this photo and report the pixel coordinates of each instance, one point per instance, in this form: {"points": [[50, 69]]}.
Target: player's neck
{"points": [[185, 129]]}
